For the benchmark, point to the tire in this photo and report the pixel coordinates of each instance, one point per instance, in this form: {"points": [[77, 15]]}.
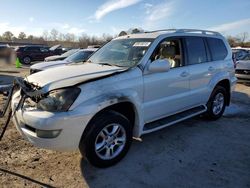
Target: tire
{"points": [[26, 60], [216, 104], [97, 144]]}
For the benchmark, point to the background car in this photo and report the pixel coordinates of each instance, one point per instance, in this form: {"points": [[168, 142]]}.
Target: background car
{"points": [[242, 71], [240, 53], [79, 56], [30, 53], [61, 57]]}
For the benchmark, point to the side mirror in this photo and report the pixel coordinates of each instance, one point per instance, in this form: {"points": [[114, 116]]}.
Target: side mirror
{"points": [[159, 65]]}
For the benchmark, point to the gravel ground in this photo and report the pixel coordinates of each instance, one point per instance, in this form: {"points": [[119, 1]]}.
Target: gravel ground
{"points": [[194, 153]]}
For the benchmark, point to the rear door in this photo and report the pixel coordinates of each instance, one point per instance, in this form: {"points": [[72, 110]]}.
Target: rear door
{"points": [[202, 68], [33, 52]]}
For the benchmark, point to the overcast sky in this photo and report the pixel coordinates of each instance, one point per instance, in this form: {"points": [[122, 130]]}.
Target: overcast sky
{"points": [[95, 17]]}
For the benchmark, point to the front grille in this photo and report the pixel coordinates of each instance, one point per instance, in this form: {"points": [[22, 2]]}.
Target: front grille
{"points": [[246, 72]]}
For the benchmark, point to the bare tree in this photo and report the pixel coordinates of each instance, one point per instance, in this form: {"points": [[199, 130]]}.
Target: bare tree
{"points": [[8, 36], [45, 35], [30, 38], [84, 40], [242, 38], [54, 34], [22, 35]]}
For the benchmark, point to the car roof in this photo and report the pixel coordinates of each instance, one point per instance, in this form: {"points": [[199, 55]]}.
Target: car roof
{"points": [[157, 33]]}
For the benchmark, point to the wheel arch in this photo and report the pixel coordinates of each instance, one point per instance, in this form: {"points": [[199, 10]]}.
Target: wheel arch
{"points": [[126, 108], [225, 83]]}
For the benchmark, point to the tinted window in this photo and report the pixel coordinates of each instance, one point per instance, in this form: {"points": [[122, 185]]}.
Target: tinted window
{"points": [[217, 48], [32, 49], [247, 57], [196, 50], [43, 49]]}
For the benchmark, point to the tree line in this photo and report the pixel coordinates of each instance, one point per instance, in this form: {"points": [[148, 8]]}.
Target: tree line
{"points": [[54, 37]]}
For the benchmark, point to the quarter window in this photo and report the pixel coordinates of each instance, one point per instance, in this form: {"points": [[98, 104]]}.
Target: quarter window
{"points": [[196, 50], [217, 48]]}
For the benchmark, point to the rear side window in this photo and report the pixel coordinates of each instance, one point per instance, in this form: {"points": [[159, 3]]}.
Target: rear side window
{"points": [[32, 49], [217, 48], [196, 50]]}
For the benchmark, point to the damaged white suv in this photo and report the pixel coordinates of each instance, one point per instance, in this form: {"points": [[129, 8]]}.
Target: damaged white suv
{"points": [[133, 85]]}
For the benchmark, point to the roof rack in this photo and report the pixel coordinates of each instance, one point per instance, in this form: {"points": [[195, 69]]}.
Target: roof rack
{"points": [[205, 32]]}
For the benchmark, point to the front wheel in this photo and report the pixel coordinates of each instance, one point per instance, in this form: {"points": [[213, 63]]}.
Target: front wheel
{"points": [[108, 139], [216, 104]]}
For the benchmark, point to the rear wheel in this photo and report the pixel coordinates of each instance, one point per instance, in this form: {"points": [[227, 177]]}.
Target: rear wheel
{"points": [[26, 60], [216, 104], [108, 140]]}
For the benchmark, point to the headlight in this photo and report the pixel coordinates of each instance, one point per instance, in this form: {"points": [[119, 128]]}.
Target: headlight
{"points": [[59, 100]]}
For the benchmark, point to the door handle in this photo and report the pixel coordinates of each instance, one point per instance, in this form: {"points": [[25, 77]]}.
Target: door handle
{"points": [[211, 68], [184, 74]]}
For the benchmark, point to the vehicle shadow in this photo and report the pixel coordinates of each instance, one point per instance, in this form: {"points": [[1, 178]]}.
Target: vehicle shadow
{"points": [[189, 154], [154, 162], [26, 178]]}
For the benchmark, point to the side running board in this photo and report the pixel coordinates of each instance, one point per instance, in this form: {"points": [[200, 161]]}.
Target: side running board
{"points": [[170, 120]]}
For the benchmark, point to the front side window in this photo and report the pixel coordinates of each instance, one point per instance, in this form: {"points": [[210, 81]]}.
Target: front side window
{"points": [[169, 49], [122, 52], [44, 50], [217, 48], [196, 50]]}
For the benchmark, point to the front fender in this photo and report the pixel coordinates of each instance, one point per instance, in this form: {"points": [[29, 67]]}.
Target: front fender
{"points": [[94, 105]]}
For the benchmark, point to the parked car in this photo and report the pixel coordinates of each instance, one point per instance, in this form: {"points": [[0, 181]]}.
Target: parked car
{"points": [[240, 53], [79, 56], [30, 53], [62, 56], [133, 85], [5, 52], [242, 71]]}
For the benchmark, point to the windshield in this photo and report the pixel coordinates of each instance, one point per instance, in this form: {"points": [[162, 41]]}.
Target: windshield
{"points": [[70, 52], [79, 56], [122, 52]]}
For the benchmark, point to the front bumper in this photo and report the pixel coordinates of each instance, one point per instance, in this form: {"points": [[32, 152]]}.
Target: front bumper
{"points": [[243, 77], [71, 125]]}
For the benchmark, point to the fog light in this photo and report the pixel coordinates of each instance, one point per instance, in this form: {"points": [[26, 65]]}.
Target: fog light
{"points": [[47, 133]]}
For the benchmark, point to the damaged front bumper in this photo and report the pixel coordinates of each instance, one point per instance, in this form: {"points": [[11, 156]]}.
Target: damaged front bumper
{"points": [[52, 130], [67, 127]]}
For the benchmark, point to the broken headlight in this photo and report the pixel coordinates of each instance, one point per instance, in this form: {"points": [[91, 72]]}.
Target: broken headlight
{"points": [[59, 100]]}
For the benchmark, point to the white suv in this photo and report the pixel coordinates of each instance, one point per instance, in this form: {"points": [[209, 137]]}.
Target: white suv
{"points": [[133, 85]]}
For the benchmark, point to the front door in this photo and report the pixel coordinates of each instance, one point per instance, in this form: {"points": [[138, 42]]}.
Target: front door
{"points": [[166, 93]]}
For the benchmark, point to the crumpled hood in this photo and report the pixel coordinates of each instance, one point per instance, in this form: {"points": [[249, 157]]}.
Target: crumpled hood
{"points": [[71, 74], [243, 65], [49, 64]]}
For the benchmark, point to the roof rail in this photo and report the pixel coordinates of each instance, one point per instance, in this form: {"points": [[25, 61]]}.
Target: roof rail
{"points": [[205, 32]]}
